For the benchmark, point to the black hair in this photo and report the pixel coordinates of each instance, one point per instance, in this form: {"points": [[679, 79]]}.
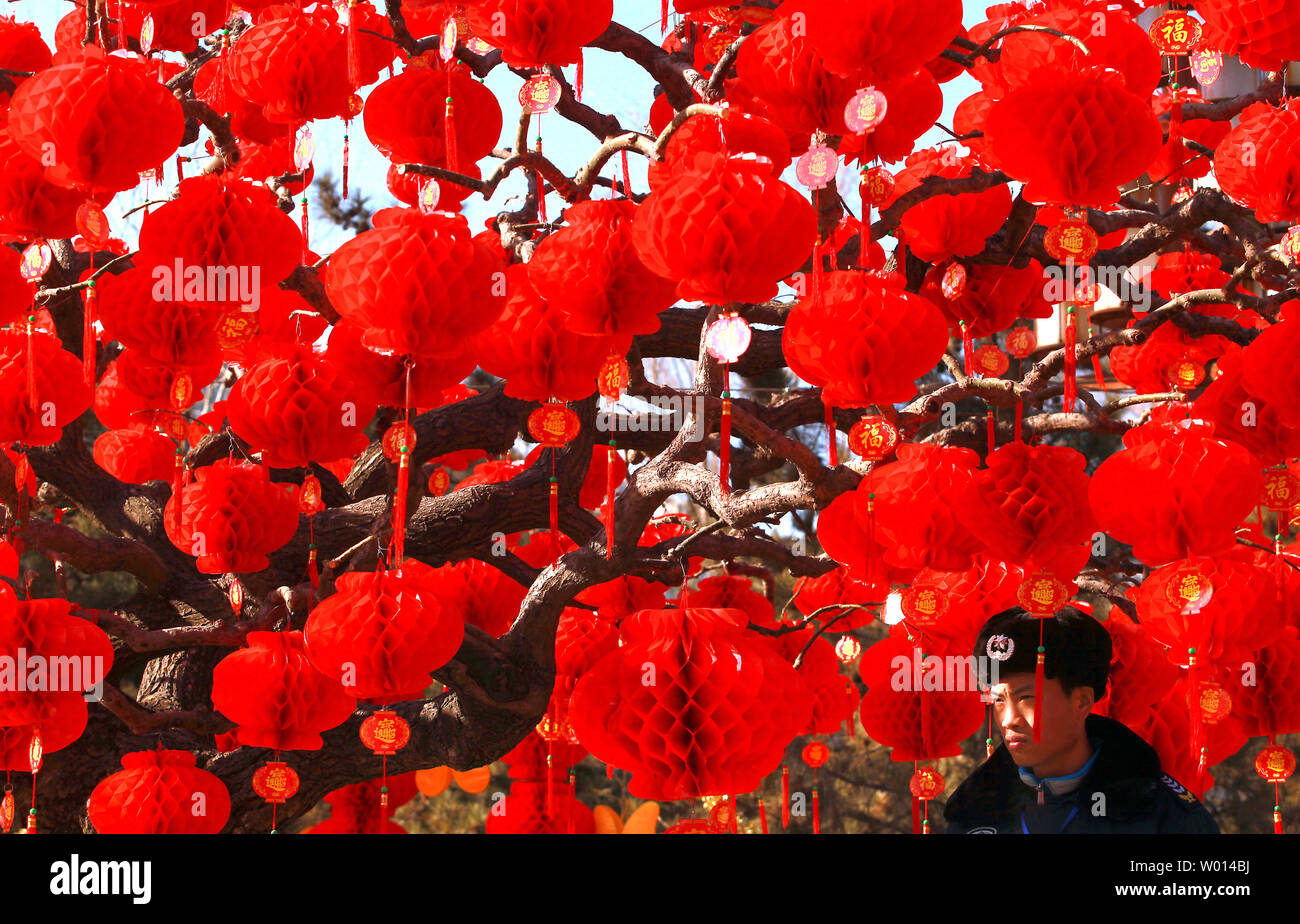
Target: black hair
{"points": [[1078, 647]]}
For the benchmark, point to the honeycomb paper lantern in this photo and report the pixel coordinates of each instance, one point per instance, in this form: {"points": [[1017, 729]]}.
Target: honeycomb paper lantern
{"points": [[106, 117], [61, 393], [871, 42], [993, 298], [405, 116], [172, 332], [727, 233], [279, 700], [1263, 33], [231, 517], [948, 226], [1258, 161], [531, 33], [383, 632], [529, 809], [159, 792], [135, 456], [717, 718], [299, 406], [696, 146]]}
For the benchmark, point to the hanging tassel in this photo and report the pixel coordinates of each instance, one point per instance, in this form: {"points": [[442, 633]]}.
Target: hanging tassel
{"points": [[1039, 677], [627, 179], [306, 247], [916, 814], [663, 16], [313, 573], [354, 47], [610, 486], [967, 348], [1277, 819], [1194, 704], [1070, 386], [988, 741], [449, 130], [832, 436], [785, 796], [817, 821], [925, 816], [541, 185], [345, 160], [7, 810], [735, 818], [762, 814], [724, 443], [32, 400], [577, 80], [993, 430], [550, 776], [554, 501], [88, 356], [180, 168]]}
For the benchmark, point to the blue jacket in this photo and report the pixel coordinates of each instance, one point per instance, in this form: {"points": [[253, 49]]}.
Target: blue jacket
{"points": [[1123, 791]]}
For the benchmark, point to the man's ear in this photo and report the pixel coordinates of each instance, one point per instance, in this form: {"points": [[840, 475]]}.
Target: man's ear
{"points": [[1082, 699]]}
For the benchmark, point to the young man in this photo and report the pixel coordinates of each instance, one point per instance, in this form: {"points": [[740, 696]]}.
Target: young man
{"points": [[1088, 774]]}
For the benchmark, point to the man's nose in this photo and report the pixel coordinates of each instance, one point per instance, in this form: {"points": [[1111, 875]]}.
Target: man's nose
{"points": [[1010, 717]]}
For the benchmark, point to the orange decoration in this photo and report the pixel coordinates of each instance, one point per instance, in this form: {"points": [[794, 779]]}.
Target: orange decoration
{"points": [[612, 378], [927, 783], [1215, 702], [1071, 240], [385, 732], [1021, 341], [1184, 374], [1281, 489], [439, 482], [990, 361], [924, 604], [1175, 33]]}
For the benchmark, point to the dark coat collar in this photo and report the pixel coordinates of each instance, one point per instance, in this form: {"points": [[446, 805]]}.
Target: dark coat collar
{"points": [[1127, 770]]}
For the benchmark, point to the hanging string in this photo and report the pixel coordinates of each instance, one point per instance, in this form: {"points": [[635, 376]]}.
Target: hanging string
{"points": [[354, 47], [762, 814], [577, 82], [832, 435], [1039, 677], [724, 435], [993, 429], [449, 130], [32, 401], [88, 330], [346, 158], [306, 227], [554, 506], [966, 349], [541, 186], [610, 487], [785, 796]]}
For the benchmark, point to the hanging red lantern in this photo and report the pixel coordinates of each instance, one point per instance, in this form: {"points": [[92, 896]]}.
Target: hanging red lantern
{"points": [[1175, 491], [590, 271], [275, 781], [728, 232], [1264, 36], [363, 809], [698, 144], [1256, 162], [946, 226], [41, 388], [865, 340], [1044, 135], [159, 792], [385, 732], [138, 123], [675, 761], [406, 281], [547, 32], [297, 406], [405, 117], [871, 43], [135, 456], [383, 632], [279, 700], [231, 517]]}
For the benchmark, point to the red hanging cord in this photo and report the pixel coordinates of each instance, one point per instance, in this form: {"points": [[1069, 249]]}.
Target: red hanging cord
{"points": [[967, 349], [1071, 386], [832, 435], [785, 796], [353, 47], [88, 356], [627, 180], [346, 147], [577, 80], [610, 487], [724, 437], [762, 814]]}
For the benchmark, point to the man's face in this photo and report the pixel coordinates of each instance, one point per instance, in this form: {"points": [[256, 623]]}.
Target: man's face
{"points": [[1062, 715]]}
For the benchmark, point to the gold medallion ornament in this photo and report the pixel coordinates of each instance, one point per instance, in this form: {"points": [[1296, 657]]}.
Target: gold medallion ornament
{"points": [[924, 604], [1043, 593]]}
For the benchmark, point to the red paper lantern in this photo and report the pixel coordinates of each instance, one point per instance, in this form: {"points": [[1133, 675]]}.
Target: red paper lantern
{"points": [[104, 120], [219, 224], [407, 281], [865, 340], [291, 62], [869, 43], [1264, 35], [915, 103], [1265, 432], [696, 146], [357, 809], [899, 713], [1257, 163], [60, 397], [1175, 491], [231, 517], [135, 456], [542, 32], [1046, 135], [383, 632], [275, 782], [531, 346], [279, 700], [159, 792], [718, 733], [530, 809], [1030, 507], [590, 271], [916, 501], [948, 226], [385, 733], [481, 593], [173, 332], [1112, 38], [405, 118], [299, 406], [728, 233], [837, 586], [782, 69]]}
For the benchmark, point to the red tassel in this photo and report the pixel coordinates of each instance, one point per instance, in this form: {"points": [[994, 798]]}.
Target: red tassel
{"points": [[1194, 703], [88, 340], [663, 16], [724, 445], [993, 431], [832, 436], [1071, 392], [967, 348], [555, 511], [313, 574], [1277, 819], [33, 402], [541, 184], [1039, 676], [762, 814], [449, 130], [627, 179], [399, 508], [354, 47], [610, 487], [550, 776], [735, 819], [180, 171], [306, 224], [817, 821], [577, 80], [345, 163], [785, 796], [916, 814]]}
